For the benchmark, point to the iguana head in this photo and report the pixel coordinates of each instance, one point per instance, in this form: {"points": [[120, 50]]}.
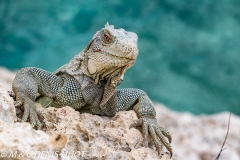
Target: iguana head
{"points": [[110, 53]]}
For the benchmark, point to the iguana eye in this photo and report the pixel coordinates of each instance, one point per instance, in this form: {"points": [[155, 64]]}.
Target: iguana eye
{"points": [[106, 38]]}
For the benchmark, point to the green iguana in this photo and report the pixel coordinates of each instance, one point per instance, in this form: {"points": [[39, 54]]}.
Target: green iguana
{"points": [[88, 84]]}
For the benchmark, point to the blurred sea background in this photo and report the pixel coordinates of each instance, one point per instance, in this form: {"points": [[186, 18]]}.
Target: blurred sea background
{"points": [[189, 55]]}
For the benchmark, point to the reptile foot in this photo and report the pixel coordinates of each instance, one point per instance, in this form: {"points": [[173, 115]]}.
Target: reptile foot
{"points": [[158, 134], [30, 113]]}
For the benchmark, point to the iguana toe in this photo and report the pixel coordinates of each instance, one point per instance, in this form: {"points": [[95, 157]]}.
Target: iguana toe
{"points": [[158, 134]]}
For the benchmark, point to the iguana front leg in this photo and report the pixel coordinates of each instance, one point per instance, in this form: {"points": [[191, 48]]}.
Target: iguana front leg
{"points": [[27, 83], [46, 101], [139, 101]]}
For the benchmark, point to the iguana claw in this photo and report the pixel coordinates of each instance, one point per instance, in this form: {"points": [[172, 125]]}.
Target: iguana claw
{"points": [[158, 134]]}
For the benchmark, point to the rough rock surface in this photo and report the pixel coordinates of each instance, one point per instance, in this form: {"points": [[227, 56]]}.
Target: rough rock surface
{"points": [[7, 109], [97, 136], [201, 137], [20, 141]]}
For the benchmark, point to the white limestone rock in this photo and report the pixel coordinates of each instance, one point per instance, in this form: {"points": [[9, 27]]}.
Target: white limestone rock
{"points": [[98, 137], [201, 137], [7, 109], [20, 141]]}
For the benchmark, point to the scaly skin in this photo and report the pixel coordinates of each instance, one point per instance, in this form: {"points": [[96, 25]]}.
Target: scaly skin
{"points": [[88, 84]]}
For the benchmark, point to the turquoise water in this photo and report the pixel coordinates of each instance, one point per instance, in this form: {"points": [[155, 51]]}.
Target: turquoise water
{"points": [[189, 50]]}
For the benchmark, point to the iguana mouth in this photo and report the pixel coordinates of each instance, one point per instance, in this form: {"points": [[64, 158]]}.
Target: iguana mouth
{"points": [[97, 50], [114, 55]]}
